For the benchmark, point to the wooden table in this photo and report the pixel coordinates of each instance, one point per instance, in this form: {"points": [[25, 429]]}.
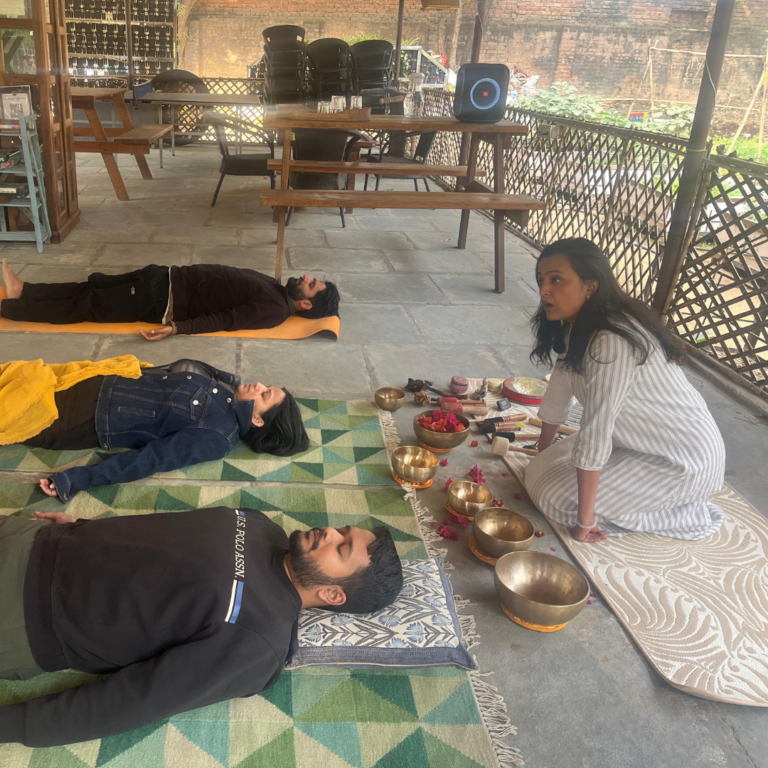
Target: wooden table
{"points": [[287, 119], [198, 100], [86, 98]]}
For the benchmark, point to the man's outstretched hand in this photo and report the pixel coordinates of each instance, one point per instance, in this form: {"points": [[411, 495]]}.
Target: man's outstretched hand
{"points": [[55, 517], [158, 334]]}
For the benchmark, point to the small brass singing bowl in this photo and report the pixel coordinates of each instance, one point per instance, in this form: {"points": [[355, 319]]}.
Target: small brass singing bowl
{"points": [[440, 441], [389, 398], [540, 589], [418, 465], [499, 530], [468, 499]]}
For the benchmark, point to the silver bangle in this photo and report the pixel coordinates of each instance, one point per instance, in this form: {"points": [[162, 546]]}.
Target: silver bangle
{"points": [[590, 526]]}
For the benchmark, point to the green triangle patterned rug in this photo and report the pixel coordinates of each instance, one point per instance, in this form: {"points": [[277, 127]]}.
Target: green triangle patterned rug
{"points": [[347, 447], [319, 716]]}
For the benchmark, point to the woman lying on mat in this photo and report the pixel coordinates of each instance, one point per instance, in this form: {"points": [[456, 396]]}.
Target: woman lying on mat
{"points": [[202, 298], [170, 416], [648, 453]]}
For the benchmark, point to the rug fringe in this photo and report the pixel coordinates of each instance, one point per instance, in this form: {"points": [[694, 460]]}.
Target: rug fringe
{"points": [[490, 702], [388, 428], [424, 516], [493, 710]]}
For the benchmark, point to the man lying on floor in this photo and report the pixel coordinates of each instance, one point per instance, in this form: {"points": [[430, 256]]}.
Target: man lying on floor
{"points": [[186, 609], [170, 416], [202, 298]]}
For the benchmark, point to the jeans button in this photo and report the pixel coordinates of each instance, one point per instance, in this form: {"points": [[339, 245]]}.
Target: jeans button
{"points": [[189, 377], [194, 402], [229, 399], [215, 390], [165, 377]]}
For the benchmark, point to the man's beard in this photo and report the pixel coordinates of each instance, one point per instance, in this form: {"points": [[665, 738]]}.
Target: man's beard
{"points": [[304, 570], [295, 289]]}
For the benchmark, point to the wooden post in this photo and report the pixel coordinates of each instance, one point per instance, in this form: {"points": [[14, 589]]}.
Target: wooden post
{"points": [[477, 44], [453, 54], [129, 43], [399, 42], [672, 259]]}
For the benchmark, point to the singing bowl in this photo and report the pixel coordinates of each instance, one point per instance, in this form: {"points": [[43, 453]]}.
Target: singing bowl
{"points": [[441, 441], [389, 398], [499, 530], [540, 589], [415, 464], [468, 498]]}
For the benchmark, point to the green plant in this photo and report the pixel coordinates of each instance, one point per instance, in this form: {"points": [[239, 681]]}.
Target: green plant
{"points": [[564, 100], [676, 119]]}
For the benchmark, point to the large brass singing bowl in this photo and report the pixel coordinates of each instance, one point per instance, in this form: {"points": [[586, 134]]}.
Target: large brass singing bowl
{"points": [[440, 441], [499, 530], [468, 498], [540, 589], [389, 398], [418, 465]]}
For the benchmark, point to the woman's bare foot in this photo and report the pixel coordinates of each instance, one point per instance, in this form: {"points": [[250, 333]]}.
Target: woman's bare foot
{"points": [[13, 286]]}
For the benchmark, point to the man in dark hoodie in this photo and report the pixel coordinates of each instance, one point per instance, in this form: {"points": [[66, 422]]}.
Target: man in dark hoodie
{"points": [[184, 609], [201, 298]]}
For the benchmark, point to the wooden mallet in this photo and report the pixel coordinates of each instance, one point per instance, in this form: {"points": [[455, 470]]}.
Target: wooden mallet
{"points": [[501, 445]]}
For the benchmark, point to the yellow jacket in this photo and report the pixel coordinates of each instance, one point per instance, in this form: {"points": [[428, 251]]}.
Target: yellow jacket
{"points": [[27, 389]]}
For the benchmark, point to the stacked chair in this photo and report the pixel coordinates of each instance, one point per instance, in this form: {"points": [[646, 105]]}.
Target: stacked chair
{"points": [[330, 68], [372, 64], [285, 64]]}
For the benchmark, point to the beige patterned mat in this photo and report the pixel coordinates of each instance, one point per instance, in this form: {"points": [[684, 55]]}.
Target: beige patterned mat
{"points": [[698, 610]]}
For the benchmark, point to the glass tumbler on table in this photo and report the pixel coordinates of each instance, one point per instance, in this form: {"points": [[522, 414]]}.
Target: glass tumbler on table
{"points": [[338, 103]]}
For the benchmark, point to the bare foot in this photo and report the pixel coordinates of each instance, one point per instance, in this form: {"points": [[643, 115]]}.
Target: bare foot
{"points": [[13, 286]]}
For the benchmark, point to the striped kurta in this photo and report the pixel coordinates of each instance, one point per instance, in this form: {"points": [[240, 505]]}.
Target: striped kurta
{"points": [[658, 449]]}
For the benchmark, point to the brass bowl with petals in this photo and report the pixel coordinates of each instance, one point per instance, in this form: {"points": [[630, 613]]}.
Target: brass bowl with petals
{"points": [[467, 498], [440, 441], [414, 464], [389, 398], [499, 530], [540, 589]]}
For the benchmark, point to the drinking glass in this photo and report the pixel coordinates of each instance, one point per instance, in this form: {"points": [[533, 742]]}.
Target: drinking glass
{"points": [[357, 102], [337, 103]]}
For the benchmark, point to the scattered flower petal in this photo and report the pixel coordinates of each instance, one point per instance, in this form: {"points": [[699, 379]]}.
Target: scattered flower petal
{"points": [[593, 594], [505, 474], [553, 549], [518, 496], [589, 602], [447, 483], [443, 462], [474, 443], [497, 503], [538, 534]]}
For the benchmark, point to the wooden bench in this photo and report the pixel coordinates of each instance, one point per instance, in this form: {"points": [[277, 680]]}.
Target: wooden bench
{"points": [[374, 169], [144, 135], [517, 208]]}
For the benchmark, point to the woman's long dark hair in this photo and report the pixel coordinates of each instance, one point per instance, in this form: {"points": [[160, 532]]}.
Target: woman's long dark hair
{"points": [[283, 432], [608, 309]]}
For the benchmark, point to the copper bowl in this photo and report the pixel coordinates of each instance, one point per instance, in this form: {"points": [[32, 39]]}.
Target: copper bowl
{"points": [[415, 464], [499, 530], [467, 498], [540, 589], [440, 441], [389, 398]]}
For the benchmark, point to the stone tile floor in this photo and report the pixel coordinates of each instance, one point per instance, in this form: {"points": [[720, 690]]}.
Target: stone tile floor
{"points": [[415, 306]]}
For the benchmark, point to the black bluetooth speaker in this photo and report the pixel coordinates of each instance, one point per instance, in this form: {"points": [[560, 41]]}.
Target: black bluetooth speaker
{"points": [[481, 93]]}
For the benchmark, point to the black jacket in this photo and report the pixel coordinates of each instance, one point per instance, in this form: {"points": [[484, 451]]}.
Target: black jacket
{"points": [[186, 609], [214, 297]]}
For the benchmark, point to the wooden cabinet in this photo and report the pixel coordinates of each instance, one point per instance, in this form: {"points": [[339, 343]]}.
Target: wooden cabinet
{"points": [[33, 51]]}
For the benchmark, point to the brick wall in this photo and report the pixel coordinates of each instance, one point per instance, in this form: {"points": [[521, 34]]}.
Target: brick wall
{"points": [[599, 45]]}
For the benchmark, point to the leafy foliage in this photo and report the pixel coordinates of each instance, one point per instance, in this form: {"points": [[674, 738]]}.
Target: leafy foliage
{"points": [[564, 100], [676, 120]]}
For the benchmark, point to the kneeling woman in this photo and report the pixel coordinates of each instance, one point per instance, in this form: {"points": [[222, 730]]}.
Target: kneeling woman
{"points": [[169, 416], [648, 453]]}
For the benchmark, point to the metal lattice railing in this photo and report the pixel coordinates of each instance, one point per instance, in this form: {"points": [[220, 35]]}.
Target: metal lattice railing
{"points": [[612, 185], [720, 304], [618, 188]]}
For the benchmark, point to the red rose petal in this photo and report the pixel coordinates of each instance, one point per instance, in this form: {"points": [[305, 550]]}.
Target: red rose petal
{"points": [[518, 496], [443, 462], [474, 443], [538, 534], [589, 602]]}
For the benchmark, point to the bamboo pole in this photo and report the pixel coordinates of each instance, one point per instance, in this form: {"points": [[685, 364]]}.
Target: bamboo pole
{"points": [[454, 52], [761, 133], [672, 258], [760, 85], [650, 78], [399, 45]]}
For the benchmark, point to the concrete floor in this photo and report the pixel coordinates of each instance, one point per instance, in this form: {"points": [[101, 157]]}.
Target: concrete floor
{"points": [[414, 306]]}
